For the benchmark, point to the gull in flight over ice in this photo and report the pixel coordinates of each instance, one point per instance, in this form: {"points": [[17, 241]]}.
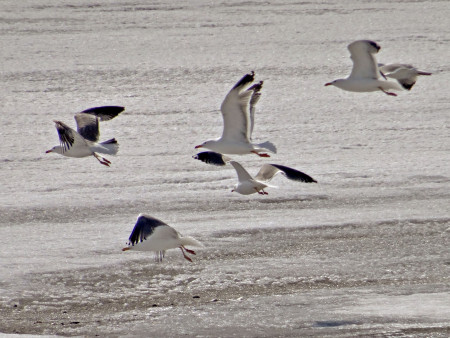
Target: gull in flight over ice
{"points": [[248, 185], [83, 142], [238, 113], [365, 75], [151, 234], [405, 74]]}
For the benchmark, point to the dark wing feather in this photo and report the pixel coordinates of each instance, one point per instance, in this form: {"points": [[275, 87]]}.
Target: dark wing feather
{"points": [[143, 228], [212, 157], [104, 113], [294, 174], [66, 135], [246, 79], [88, 126]]}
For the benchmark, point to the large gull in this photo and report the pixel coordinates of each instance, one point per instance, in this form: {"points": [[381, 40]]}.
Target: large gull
{"points": [[238, 111], [406, 75], [365, 75], [152, 234], [248, 185], [84, 141]]}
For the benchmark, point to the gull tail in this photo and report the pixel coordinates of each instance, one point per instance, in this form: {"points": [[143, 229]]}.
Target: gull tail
{"points": [[190, 241], [110, 147], [269, 146]]}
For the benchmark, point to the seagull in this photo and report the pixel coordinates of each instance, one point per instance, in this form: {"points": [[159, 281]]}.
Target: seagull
{"points": [[405, 74], [151, 234], [248, 185], [365, 75], [84, 142], [238, 112]]}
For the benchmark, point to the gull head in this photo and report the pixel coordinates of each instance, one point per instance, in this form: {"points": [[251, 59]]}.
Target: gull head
{"points": [[207, 144], [55, 149], [336, 83]]}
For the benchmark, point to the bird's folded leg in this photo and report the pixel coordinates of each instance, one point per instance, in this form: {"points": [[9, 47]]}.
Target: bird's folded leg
{"points": [[261, 154], [102, 160], [387, 93]]}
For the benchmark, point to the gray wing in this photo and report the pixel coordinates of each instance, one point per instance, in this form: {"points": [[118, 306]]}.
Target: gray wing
{"points": [[88, 126], [88, 120], [67, 136], [212, 157], [268, 171], [104, 113], [362, 53], [405, 74], [143, 228], [234, 108], [256, 88]]}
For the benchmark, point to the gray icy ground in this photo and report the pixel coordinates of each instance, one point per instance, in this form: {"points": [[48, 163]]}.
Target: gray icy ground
{"points": [[364, 252]]}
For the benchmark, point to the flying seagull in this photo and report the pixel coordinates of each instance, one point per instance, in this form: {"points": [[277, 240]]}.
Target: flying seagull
{"points": [[83, 142], [151, 234], [405, 74], [248, 185], [238, 113], [365, 75]]}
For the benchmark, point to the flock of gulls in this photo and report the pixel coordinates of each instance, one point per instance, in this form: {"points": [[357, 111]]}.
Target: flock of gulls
{"points": [[238, 113]]}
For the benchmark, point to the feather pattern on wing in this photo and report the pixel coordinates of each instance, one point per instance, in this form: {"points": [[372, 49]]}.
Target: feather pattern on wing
{"points": [[104, 113], [67, 136], [235, 112], [362, 53], [88, 126], [268, 171], [242, 174], [144, 227]]}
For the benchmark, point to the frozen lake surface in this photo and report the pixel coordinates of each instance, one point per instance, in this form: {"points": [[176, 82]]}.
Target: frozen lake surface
{"points": [[363, 252]]}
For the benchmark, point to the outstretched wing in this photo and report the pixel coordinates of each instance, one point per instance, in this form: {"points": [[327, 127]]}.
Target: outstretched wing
{"points": [[243, 175], [67, 136], [236, 121], [268, 171], [88, 120], [88, 126], [143, 228], [212, 157], [256, 95], [362, 52], [104, 113]]}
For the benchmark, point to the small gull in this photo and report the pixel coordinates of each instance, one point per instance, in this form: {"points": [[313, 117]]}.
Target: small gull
{"points": [[365, 75], [405, 74], [83, 142], [151, 234], [248, 185], [238, 113]]}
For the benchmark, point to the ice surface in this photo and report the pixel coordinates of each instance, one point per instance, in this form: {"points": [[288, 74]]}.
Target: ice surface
{"points": [[364, 251]]}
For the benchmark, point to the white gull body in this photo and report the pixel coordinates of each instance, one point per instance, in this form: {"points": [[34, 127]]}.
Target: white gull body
{"points": [[152, 234], [238, 109], [248, 185], [83, 142], [406, 75], [365, 75]]}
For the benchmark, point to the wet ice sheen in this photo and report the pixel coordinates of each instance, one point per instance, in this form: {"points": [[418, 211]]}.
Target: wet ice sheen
{"points": [[363, 252]]}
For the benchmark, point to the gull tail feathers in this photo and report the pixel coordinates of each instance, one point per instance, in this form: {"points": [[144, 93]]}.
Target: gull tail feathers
{"points": [[110, 147], [269, 146], [190, 241]]}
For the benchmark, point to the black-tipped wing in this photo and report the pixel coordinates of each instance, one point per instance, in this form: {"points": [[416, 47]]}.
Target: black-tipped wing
{"points": [[268, 171], [235, 114], [143, 228], [362, 53], [212, 157], [67, 136], [104, 113], [256, 88]]}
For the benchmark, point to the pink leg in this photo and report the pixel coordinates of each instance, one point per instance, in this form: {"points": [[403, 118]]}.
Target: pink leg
{"points": [[102, 160], [260, 154], [387, 93], [190, 251], [184, 255]]}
